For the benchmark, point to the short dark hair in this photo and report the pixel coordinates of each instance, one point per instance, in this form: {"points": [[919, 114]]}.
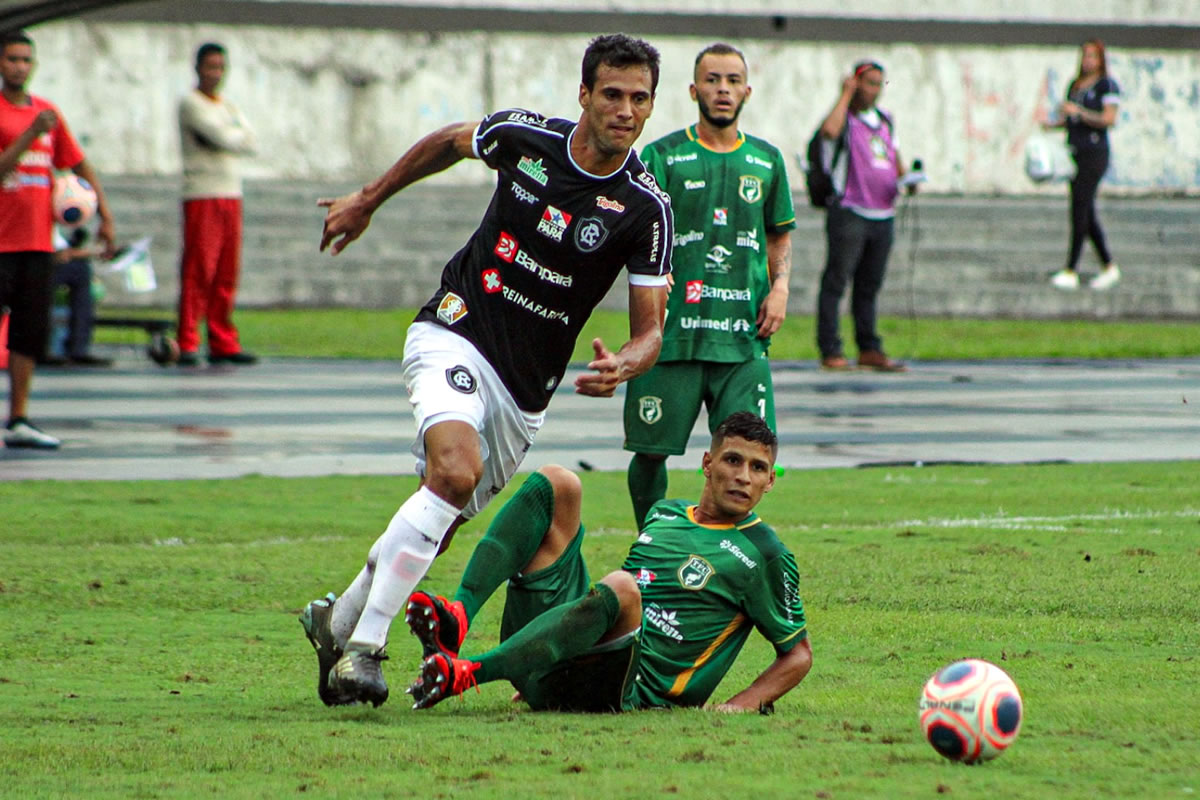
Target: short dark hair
{"points": [[619, 51], [14, 37], [750, 427], [719, 49], [866, 65], [206, 50]]}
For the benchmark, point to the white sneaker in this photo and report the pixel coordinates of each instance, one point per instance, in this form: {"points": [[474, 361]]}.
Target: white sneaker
{"points": [[1109, 277], [1065, 279], [21, 433]]}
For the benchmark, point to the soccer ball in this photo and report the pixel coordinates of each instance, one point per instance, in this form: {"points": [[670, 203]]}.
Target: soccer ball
{"points": [[970, 711], [74, 201]]}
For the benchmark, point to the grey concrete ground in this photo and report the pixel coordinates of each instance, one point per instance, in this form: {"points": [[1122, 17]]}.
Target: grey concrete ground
{"points": [[301, 417]]}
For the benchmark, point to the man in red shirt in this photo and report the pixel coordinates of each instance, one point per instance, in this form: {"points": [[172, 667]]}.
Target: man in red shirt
{"points": [[34, 141]]}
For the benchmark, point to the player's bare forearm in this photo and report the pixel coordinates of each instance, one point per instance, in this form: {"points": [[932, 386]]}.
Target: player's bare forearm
{"points": [[348, 216], [609, 369], [779, 265], [784, 674]]}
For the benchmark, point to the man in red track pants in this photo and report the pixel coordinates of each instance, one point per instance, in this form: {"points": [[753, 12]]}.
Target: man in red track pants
{"points": [[214, 135]]}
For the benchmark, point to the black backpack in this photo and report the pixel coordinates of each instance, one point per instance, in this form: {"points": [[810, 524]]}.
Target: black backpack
{"points": [[821, 193]]}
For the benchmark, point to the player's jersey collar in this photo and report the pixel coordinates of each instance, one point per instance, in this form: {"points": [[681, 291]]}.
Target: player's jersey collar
{"points": [[583, 171], [751, 519], [695, 137]]}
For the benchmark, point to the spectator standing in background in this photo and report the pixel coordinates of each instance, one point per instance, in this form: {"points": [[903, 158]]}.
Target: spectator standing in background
{"points": [[214, 135], [1088, 112], [34, 140]]}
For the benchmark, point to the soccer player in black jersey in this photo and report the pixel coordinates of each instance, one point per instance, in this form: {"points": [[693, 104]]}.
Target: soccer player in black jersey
{"points": [[573, 206]]}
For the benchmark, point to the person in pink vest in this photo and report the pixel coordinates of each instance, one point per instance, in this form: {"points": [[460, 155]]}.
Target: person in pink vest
{"points": [[860, 150], [214, 136]]}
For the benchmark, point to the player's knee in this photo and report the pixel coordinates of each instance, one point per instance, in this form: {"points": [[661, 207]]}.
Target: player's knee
{"points": [[565, 483], [625, 587]]}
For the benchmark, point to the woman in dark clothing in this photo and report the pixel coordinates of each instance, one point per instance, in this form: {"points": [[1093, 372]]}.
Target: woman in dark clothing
{"points": [[1088, 112]]}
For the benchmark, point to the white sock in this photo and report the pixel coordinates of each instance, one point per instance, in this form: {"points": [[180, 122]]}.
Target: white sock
{"points": [[405, 551], [349, 606]]}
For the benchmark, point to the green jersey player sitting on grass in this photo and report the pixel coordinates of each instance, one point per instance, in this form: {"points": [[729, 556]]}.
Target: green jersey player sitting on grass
{"points": [[660, 632]]}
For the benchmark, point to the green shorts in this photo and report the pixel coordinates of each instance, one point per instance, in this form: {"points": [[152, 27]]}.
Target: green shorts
{"points": [[597, 681], [661, 406]]}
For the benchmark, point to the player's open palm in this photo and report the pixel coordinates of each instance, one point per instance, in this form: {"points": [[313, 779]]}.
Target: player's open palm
{"points": [[606, 375], [346, 219]]}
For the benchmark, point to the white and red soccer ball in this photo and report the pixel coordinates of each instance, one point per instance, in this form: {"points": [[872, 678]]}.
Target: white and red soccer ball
{"points": [[74, 201], [970, 711]]}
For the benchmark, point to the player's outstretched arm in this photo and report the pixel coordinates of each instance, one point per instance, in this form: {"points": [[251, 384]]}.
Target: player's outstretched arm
{"points": [[779, 261], [646, 307], [784, 674], [348, 216]]}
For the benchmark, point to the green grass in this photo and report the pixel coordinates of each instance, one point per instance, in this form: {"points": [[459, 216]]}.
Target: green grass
{"points": [[347, 333], [149, 646]]}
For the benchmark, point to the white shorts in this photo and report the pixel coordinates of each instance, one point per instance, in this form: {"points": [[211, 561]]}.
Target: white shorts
{"points": [[448, 379]]}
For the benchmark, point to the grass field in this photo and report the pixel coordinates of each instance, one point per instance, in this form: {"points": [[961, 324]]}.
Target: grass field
{"points": [[149, 645], [349, 333]]}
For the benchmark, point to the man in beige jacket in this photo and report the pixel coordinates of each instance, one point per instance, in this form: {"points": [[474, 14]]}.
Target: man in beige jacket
{"points": [[214, 136]]}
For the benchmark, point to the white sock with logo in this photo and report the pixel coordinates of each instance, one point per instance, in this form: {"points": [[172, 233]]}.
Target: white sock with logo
{"points": [[404, 553]]}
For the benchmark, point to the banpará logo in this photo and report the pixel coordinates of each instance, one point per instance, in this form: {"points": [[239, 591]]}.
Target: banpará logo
{"points": [[545, 273], [722, 293], [684, 239], [693, 185], [533, 169], [506, 247], [694, 291], [737, 553]]}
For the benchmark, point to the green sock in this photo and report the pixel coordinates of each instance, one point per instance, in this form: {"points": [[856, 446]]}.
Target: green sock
{"points": [[511, 540], [558, 634], [647, 484]]}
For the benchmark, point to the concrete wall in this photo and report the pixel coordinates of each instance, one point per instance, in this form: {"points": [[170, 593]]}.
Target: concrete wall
{"points": [[340, 105]]}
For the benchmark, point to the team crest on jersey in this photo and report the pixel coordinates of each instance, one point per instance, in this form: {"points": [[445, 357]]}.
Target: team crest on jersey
{"points": [[695, 291], [750, 188], [491, 281], [554, 223], [533, 169], [650, 409], [590, 233], [451, 309], [694, 573], [461, 379], [720, 216]]}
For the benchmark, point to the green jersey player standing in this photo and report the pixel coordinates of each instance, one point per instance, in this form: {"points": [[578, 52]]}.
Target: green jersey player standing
{"points": [[731, 260]]}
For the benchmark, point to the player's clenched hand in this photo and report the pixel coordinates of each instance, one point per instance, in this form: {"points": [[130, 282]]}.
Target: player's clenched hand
{"points": [[606, 375], [771, 313], [347, 218]]}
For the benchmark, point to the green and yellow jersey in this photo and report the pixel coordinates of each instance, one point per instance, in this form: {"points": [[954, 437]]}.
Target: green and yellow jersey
{"points": [[704, 588]]}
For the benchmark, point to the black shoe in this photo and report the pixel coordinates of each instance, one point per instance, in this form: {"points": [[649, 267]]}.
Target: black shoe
{"points": [[52, 361], [188, 360], [88, 360], [316, 621], [357, 677], [241, 358]]}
